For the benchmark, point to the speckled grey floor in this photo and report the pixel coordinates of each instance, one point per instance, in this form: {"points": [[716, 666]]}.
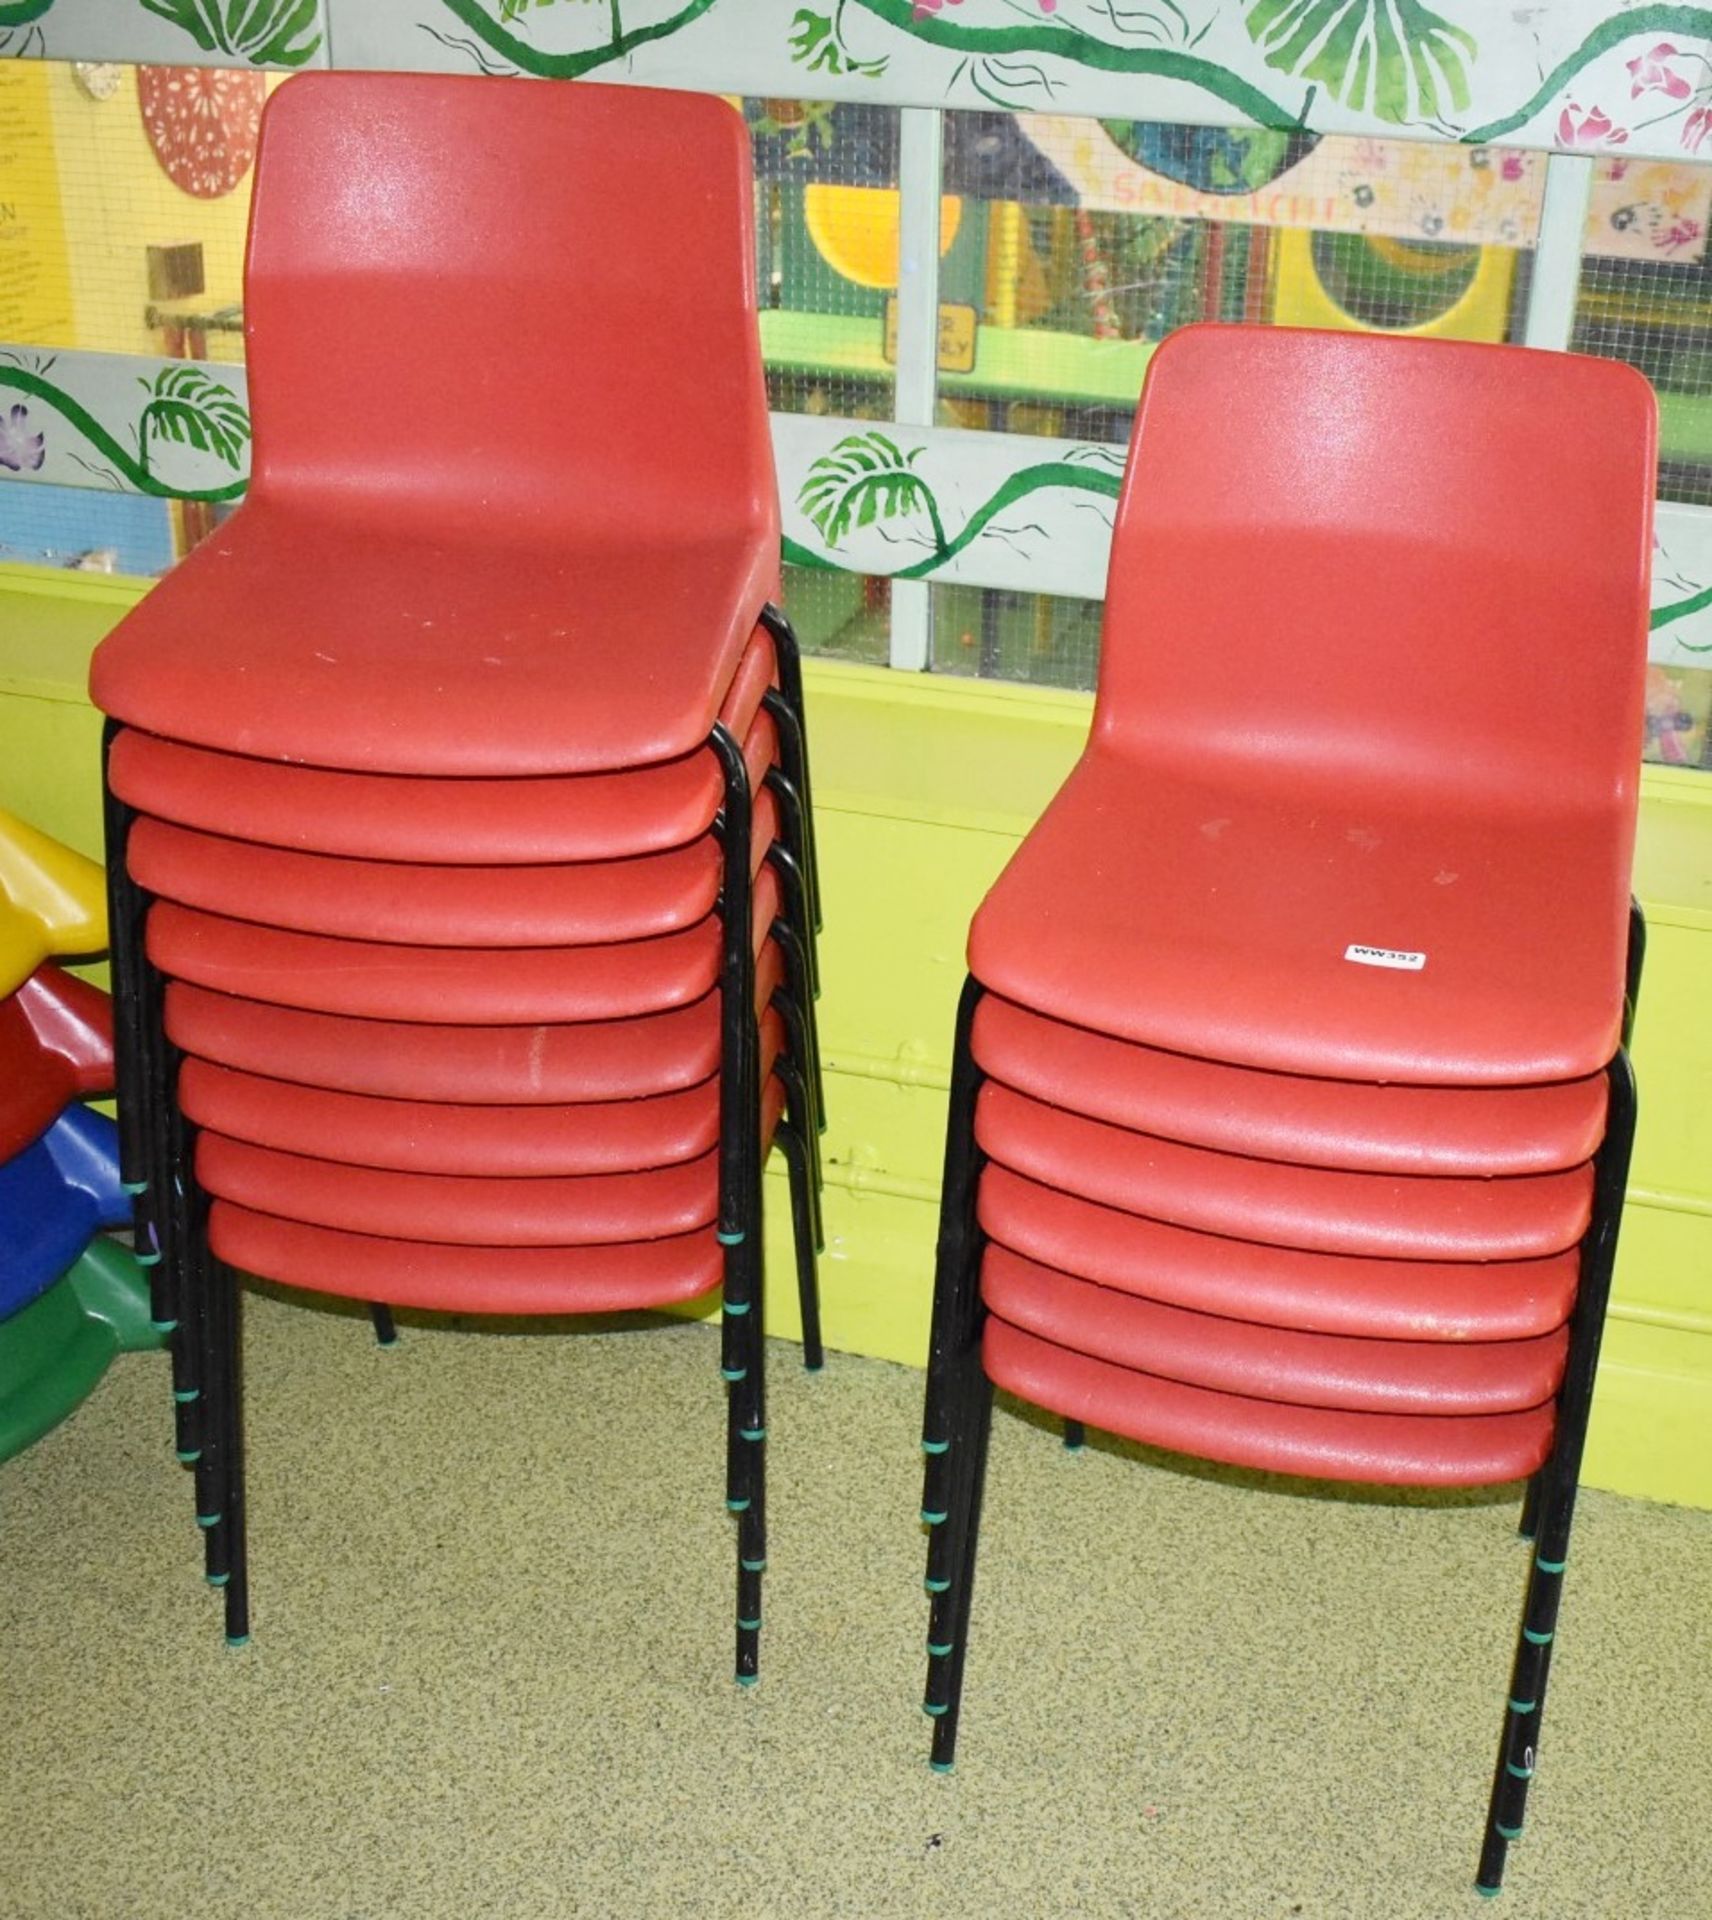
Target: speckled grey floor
{"points": [[490, 1668]]}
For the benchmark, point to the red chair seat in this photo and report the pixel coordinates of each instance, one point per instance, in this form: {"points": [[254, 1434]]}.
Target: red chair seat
{"points": [[290, 635], [1317, 1208], [1210, 916], [602, 1060], [591, 1210], [600, 901], [1278, 1286], [410, 1136], [1277, 1116], [1389, 1449], [372, 816], [1271, 1363], [56, 1046], [437, 1278], [514, 986]]}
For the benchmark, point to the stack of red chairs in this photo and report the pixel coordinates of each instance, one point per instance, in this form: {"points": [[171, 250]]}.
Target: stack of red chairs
{"points": [[1291, 1110], [462, 875]]}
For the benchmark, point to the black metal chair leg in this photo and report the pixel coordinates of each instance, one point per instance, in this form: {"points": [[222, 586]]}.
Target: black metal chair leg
{"points": [[789, 657], [1519, 1744], [796, 908], [948, 1656], [799, 1112], [802, 1229], [796, 971], [227, 1288], [796, 1046], [385, 1327], [951, 1424], [793, 832]]}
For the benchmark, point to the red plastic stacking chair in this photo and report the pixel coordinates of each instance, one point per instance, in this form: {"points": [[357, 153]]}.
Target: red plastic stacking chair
{"points": [[1291, 1107], [472, 746]]}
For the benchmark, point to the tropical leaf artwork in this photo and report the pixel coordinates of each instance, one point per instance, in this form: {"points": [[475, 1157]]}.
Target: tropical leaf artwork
{"points": [[866, 477], [190, 409], [1396, 59], [282, 33]]}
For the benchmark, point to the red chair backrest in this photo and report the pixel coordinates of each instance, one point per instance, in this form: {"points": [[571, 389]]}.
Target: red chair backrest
{"points": [[1407, 562], [527, 304]]}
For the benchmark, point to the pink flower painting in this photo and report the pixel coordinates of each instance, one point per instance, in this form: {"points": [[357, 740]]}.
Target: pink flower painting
{"points": [[1651, 72]]}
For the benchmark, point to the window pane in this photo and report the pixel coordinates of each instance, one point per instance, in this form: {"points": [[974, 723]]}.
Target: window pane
{"points": [[846, 616], [1080, 243], [1042, 639], [826, 226], [1646, 297]]}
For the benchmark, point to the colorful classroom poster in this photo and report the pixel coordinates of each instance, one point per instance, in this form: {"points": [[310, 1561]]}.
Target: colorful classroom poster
{"points": [[35, 278]]}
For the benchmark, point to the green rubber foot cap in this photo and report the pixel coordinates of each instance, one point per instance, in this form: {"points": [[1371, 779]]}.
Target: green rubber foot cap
{"points": [[732, 1374], [752, 1433], [188, 1457], [1518, 1773], [135, 1186], [729, 1239], [1488, 1893], [814, 1366], [1522, 1706], [748, 1679], [750, 1626], [1508, 1833], [735, 1309], [737, 1506], [1536, 1639], [939, 1649], [162, 1327], [216, 1579], [753, 1566], [935, 1446], [937, 1586], [933, 1712], [236, 1640], [184, 1395], [206, 1520], [940, 1766], [152, 1260], [931, 1519]]}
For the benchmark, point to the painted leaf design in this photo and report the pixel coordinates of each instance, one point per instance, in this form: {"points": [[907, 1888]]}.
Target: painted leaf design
{"points": [[264, 31], [190, 409], [866, 477], [1396, 59]]}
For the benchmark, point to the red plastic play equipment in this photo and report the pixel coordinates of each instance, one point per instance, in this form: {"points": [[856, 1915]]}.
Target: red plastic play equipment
{"points": [[1291, 1108], [459, 826], [56, 1046]]}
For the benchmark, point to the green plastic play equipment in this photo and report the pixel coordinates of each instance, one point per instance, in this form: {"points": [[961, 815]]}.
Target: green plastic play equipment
{"points": [[54, 1352]]}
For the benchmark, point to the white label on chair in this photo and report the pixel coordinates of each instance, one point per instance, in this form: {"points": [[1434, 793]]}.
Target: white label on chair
{"points": [[1386, 957]]}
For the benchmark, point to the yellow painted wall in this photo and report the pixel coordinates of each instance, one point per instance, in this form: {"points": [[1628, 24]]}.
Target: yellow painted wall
{"points": [[924, 786]]}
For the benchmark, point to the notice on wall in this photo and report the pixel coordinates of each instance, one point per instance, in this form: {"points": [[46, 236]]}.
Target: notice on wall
{"points": [[35, 279]]}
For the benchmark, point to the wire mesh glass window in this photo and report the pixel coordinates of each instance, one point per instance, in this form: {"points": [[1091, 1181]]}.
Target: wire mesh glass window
{"points": [[1646, 297], [1074, 245], [1041, 639], [844, 616], [826, 227]]}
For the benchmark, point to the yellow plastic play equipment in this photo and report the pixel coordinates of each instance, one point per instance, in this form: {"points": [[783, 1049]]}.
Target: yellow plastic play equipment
{"points": [[1300, 297], [52, 901], [856, 230]]}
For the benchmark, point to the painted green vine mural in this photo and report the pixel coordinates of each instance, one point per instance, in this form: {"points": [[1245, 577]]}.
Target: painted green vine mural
{"points": [[186, 413], [1636, 78], [868, 480]]}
